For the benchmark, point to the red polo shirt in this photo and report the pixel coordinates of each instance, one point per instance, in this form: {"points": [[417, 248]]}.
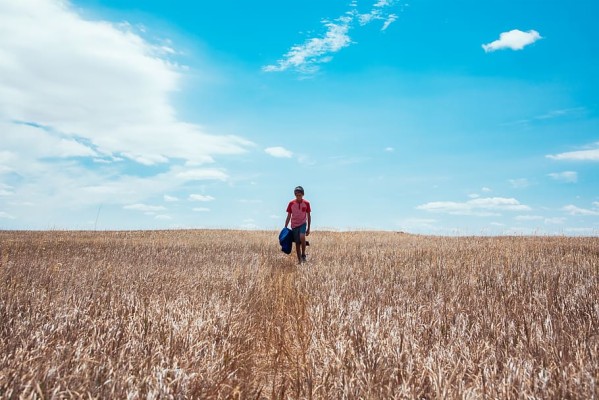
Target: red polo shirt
{"points": [[299, 212]]}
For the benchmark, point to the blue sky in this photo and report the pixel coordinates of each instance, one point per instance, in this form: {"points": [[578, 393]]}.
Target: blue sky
{"points": [[427, 116]]}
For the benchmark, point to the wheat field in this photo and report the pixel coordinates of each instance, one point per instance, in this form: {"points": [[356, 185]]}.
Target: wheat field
{"points": [[216, 314]]}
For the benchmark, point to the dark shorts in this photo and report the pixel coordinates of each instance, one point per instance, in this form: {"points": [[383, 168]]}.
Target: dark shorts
{"points": [[297, 231]]}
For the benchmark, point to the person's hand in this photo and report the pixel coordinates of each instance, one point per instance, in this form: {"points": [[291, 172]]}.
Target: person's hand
{"points": [[307, 231]]}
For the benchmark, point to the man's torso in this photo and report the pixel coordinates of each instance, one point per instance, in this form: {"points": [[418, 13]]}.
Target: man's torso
{"points": [[299, 212]]}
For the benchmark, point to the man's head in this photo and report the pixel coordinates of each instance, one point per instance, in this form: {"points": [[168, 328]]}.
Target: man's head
{"points": [[298, 191]]}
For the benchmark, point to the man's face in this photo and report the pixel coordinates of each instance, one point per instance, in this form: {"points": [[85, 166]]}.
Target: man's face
{"points": [[299, 195]]}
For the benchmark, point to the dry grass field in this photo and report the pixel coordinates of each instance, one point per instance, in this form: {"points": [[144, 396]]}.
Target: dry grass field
{"points": [[226, 315]]}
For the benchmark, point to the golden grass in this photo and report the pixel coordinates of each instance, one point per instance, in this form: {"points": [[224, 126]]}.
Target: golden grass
{"points": [[225, 314]]}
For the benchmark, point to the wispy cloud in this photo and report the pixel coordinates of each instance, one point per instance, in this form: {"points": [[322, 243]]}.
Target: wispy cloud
{"points": [[306, 57], [514, 39], [201, 174], [575, 112], [5, 190], [346, 160], [554, 220], [5, 215], [580, 231], [574, 210], [591, 154], [144, 208], [390, 19], [279, 152], [519, 183], [419, 224], [528, 218], [566, 176], [378, 13], [482, 207], [200, 197], [547, 221]]}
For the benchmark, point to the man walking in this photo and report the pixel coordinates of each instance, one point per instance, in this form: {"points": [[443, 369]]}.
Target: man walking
{"points": [[298, 213]]}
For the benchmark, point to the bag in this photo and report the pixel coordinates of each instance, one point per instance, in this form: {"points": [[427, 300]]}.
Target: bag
{"points": [[286, 240]]}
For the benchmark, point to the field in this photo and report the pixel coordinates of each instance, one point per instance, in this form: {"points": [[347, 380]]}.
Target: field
{"points": [[225, 315]]}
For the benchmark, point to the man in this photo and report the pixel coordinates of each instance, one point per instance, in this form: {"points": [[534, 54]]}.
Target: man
{"points": [[298, 213]]}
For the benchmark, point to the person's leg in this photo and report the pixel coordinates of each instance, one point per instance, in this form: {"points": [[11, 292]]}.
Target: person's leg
{"points": [[297, 241], [303, 240], [298, 251], [302, 236]]}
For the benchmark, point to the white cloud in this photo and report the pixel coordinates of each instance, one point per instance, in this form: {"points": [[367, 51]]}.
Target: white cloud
{"points": [[250, 201], [389, 149], [201, 174], [143, 207], [579, 231], [482, 207], [378, 13], [84, 103], [317, 50], [94, 189], [528, 218], [279, 152], [4, 215], [67, 186], [550, 115], [168, 198], [5, 190], [519, 183], [305, 159], [23, 142], [66, 191], [200, 197], [390, 19], [105, 84], [486, 189], [555, 221], [580, 155], [419, 224], [573, 210], [514, 39], [566, 176]]}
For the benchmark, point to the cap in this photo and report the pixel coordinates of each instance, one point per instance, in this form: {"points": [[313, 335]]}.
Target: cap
{"points": [[298, 189]]}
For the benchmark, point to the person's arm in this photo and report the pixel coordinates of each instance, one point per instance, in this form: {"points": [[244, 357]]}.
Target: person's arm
{"points": [[288, 219], [309, 223]]}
